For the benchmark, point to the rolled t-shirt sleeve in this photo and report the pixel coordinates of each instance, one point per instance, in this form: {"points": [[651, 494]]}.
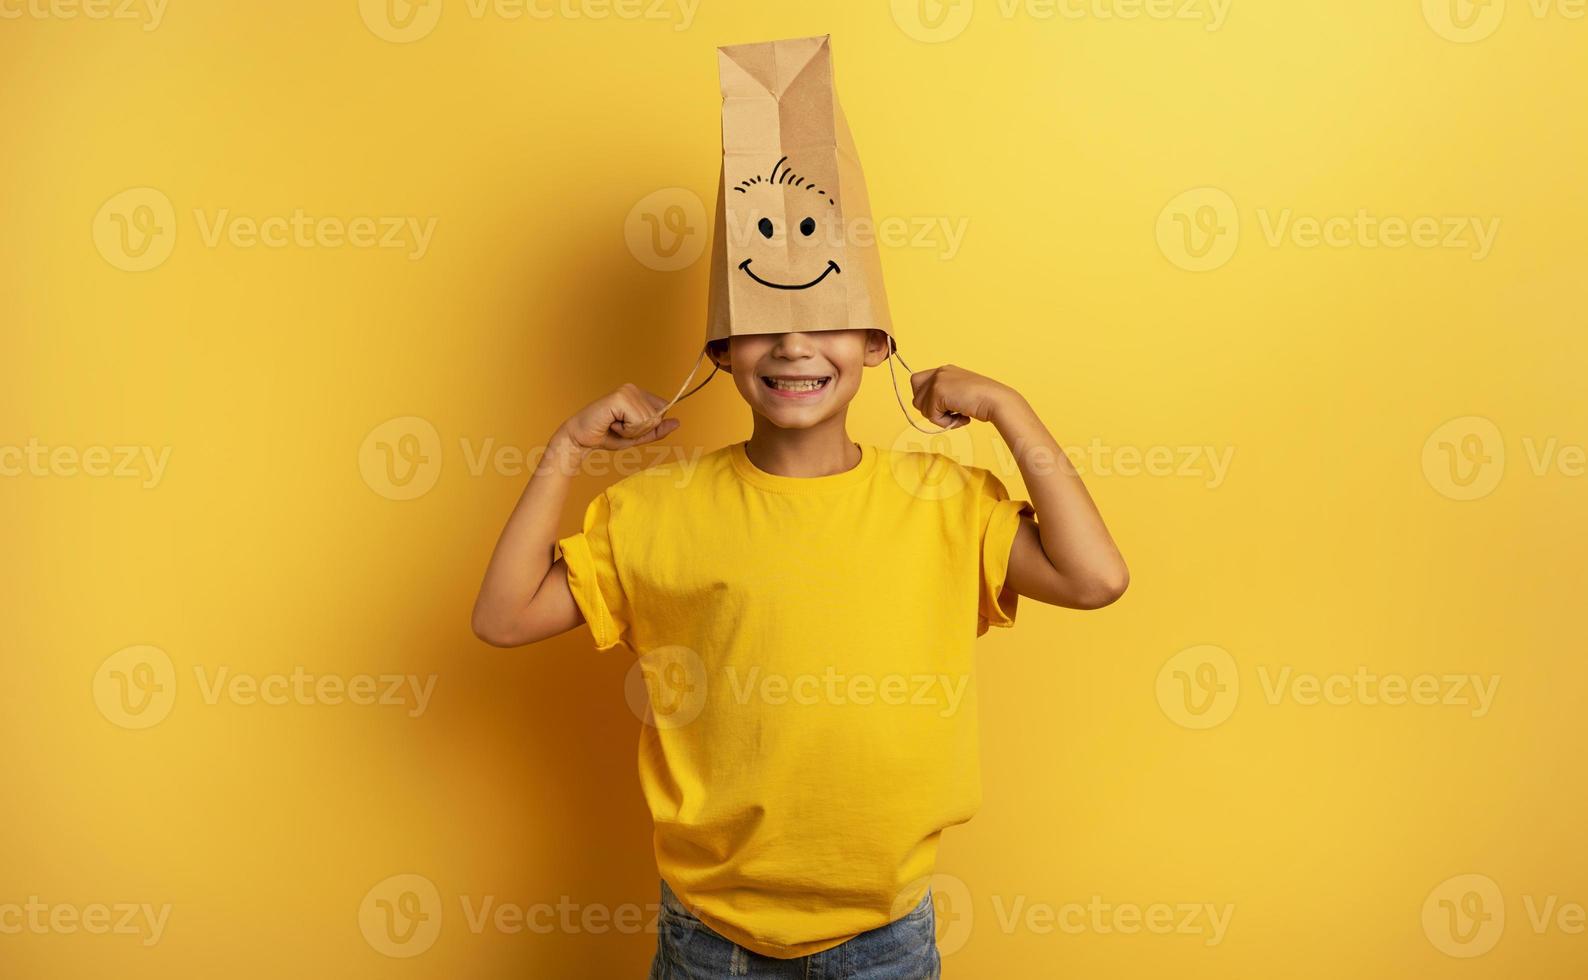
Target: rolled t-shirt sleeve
{"points": [[998, 518], [593, 577]]}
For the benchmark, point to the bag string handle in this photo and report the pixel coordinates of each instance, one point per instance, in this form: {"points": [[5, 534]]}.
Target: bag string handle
{"points": [[893, 354]]}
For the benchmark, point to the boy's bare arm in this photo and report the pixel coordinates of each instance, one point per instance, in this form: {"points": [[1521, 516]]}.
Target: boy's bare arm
{"points": [[1066, 557], [525, 596]]}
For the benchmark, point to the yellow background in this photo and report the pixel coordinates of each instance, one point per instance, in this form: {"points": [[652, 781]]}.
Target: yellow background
{"points": [[272, 542]]}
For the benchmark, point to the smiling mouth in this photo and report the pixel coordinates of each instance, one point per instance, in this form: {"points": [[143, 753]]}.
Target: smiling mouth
{"points": [[804, 386], [831, 267]]}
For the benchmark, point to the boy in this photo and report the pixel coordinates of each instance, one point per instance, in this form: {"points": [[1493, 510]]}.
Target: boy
{"points": [[804, 607]]}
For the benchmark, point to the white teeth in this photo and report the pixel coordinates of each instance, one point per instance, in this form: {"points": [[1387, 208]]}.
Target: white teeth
{"points": [[783, 384]]}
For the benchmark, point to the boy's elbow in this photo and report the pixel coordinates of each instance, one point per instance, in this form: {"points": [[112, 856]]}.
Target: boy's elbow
{"points": [[487, 632], [497, 633], [1105, 589]]}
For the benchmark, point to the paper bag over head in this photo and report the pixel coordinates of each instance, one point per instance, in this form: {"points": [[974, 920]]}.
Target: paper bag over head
{"points": [[795, 249]]}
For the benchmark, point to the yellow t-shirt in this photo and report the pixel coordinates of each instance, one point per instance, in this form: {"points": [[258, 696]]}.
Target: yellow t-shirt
{"points": [[807, 648]]}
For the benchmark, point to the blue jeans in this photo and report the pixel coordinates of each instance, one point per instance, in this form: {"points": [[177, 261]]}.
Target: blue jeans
{"points": [[687, 949]]}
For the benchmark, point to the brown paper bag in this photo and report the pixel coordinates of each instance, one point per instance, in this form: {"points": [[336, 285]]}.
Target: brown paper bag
{"points": [[795, 247]]}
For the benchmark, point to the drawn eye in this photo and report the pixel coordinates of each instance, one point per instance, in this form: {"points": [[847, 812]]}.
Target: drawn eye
{"points": [[807, 226], [765, 224]]}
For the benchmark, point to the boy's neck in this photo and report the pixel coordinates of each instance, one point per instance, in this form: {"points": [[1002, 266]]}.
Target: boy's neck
{"points": [[821, 450]]}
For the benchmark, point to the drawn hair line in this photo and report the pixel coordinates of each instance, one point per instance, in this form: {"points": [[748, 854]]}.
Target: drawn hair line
{"points": [[788, 173]]}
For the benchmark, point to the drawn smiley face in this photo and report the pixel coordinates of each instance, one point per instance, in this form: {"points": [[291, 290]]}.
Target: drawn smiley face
{"points": [[786, 178]]}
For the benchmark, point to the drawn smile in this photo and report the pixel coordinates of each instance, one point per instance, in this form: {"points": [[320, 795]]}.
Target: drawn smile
{"points": [[831, 267]]}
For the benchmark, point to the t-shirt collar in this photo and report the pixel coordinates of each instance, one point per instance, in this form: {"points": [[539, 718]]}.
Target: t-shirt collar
{"points": [[748, 472]]}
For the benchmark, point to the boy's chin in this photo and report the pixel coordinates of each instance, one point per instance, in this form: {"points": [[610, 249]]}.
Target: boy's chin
{"points": [[800, 415], [795, 417]]}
